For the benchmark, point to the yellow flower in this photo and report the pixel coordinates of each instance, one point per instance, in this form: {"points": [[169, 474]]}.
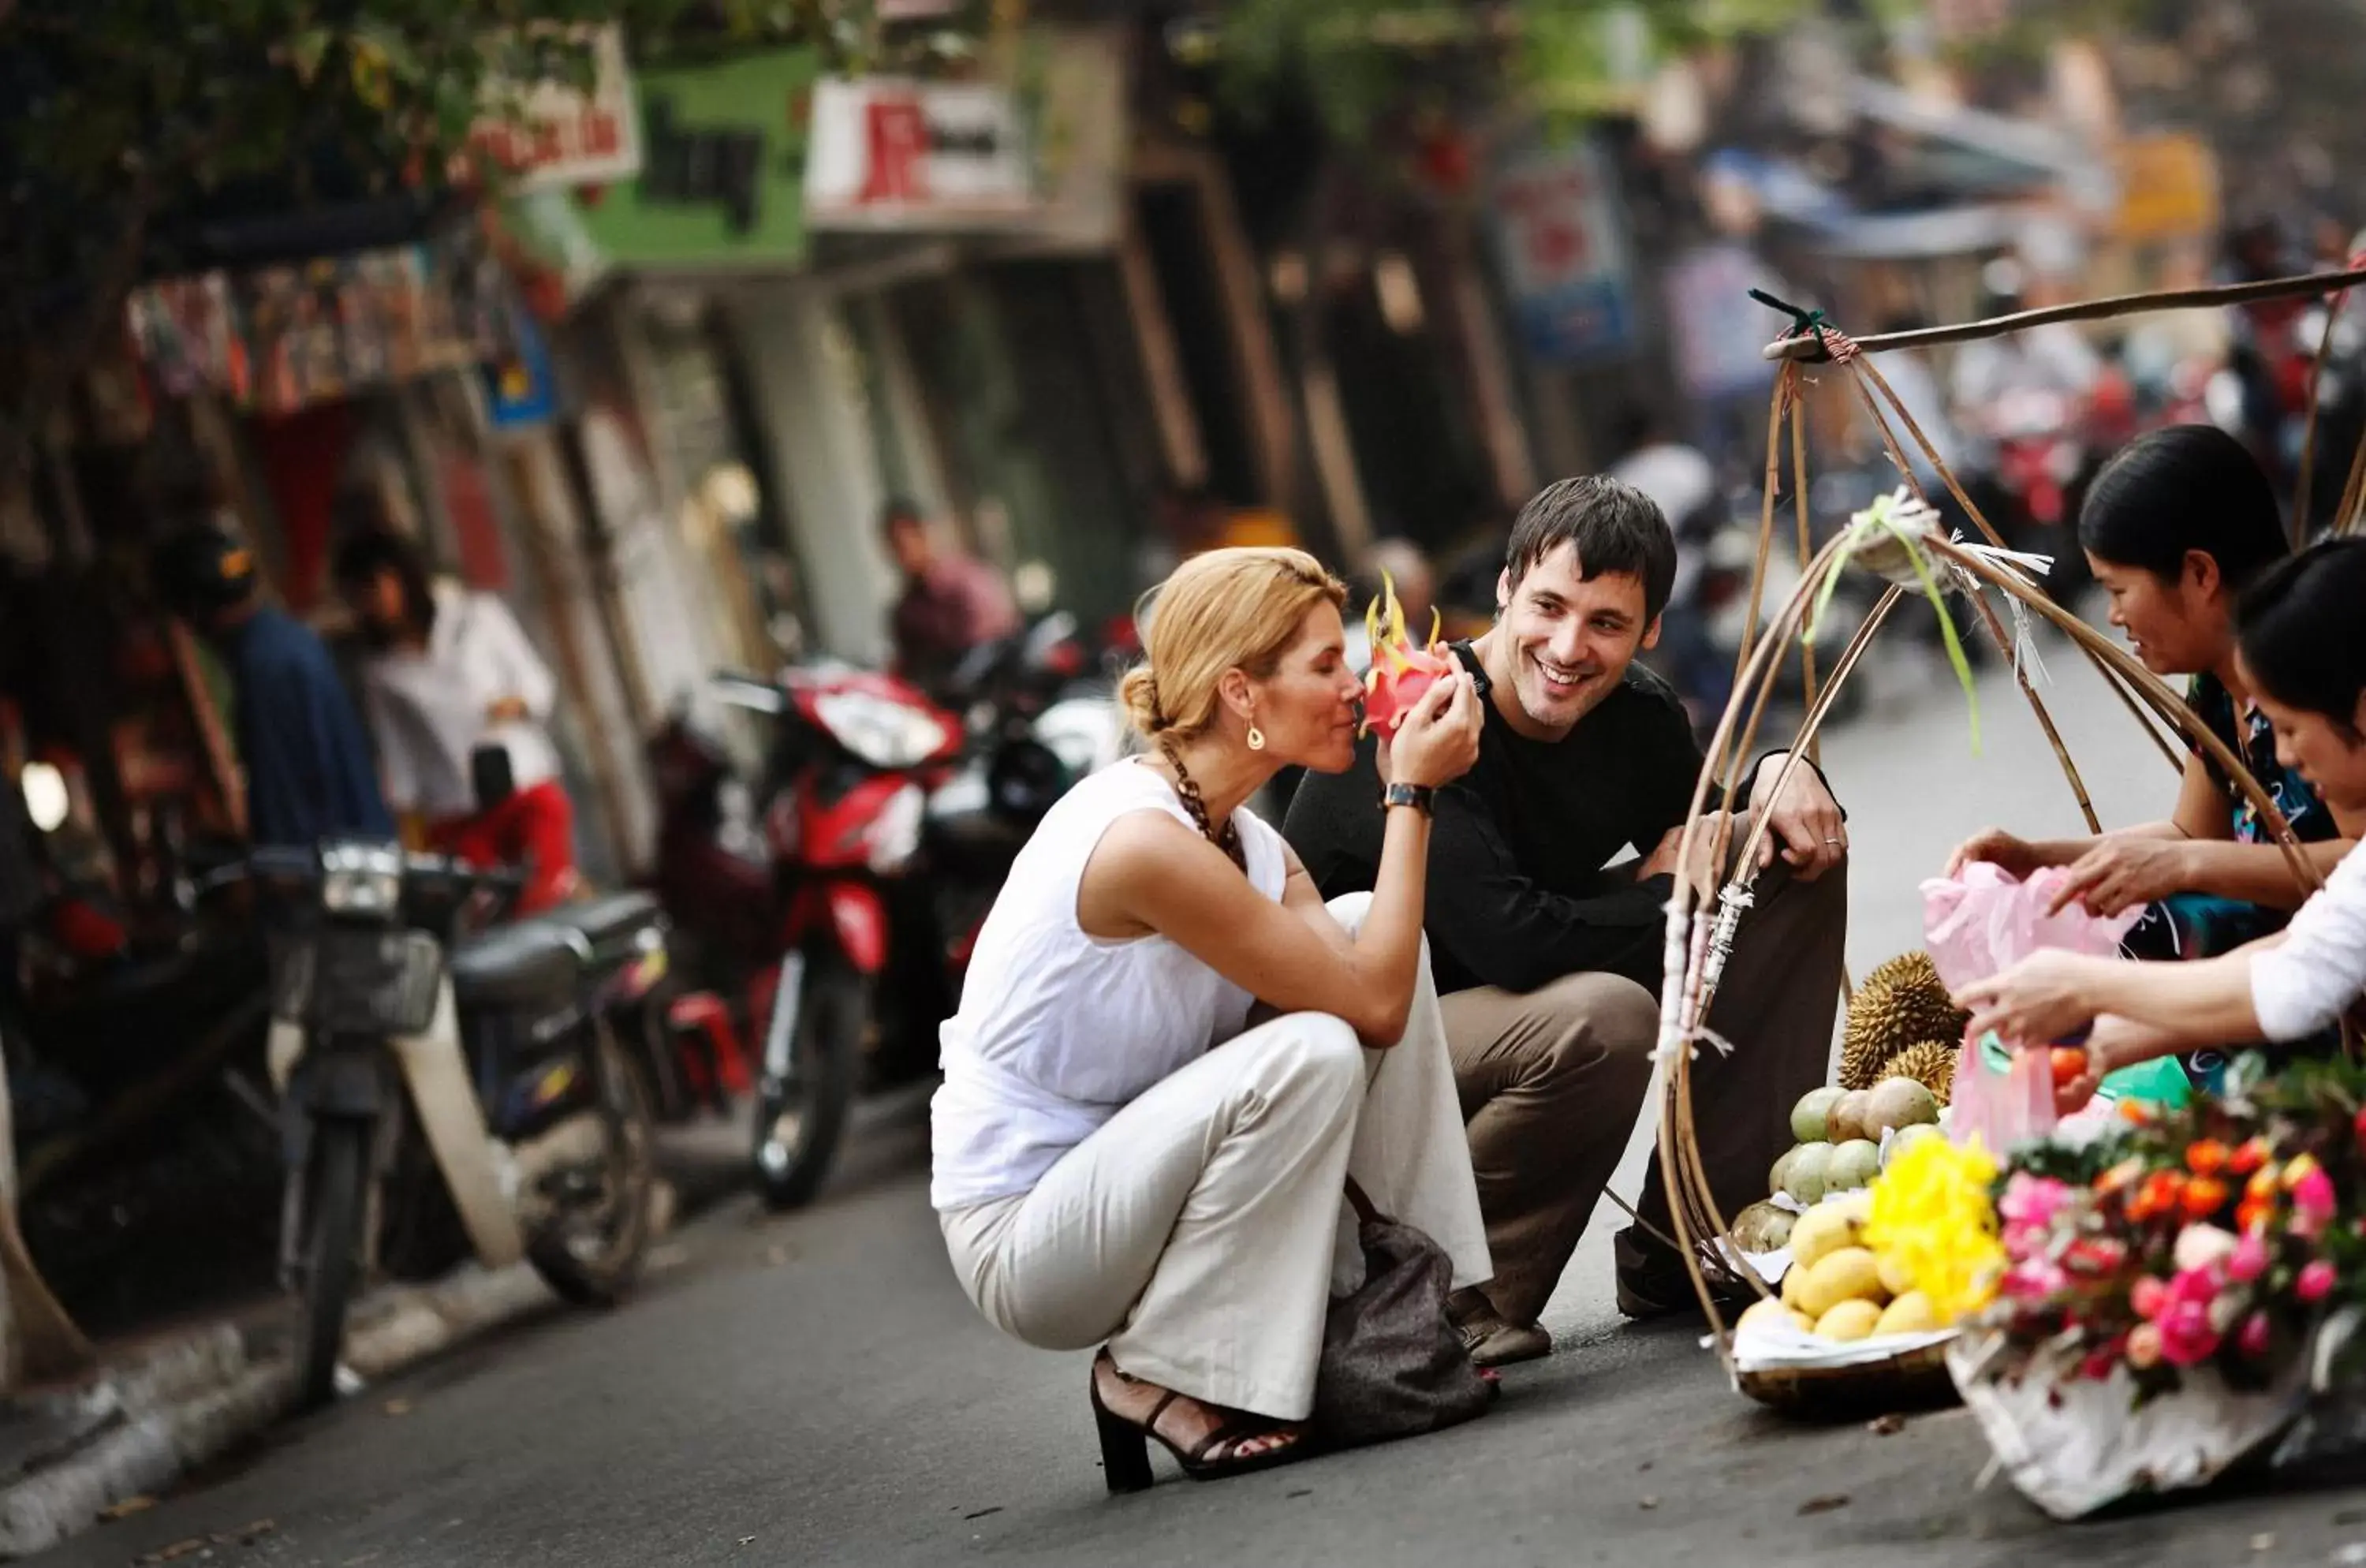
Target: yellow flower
{"points": [[1932, 1212]]}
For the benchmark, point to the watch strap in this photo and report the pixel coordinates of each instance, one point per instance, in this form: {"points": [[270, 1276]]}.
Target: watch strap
{"points": [[1421, 797]]}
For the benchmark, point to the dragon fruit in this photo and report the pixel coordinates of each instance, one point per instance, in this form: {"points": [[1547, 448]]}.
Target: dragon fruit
{"points": [[1401, 672]]}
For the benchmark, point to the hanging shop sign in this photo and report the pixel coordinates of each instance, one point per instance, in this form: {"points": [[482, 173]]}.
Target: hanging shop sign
{"points": [[1037, 154], [521, 388], [1563, 254], [560, 135], [721, 177], [279, 338]]}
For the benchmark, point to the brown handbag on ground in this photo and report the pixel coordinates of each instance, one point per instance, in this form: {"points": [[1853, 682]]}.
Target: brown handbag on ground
{"points": [[1391, 1364]]}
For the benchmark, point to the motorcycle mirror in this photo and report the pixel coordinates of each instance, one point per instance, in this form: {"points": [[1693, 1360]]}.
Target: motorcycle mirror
{"points": [[47, 800]]}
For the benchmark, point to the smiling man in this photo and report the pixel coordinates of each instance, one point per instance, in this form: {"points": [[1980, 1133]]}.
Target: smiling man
{"points": [[1548, 957]]}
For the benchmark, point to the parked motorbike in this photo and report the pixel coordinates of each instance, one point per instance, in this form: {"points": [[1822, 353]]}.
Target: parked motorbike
{"points": [[403, 1047], [860, 971]]}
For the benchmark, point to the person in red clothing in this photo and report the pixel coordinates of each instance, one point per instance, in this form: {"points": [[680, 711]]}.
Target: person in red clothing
{"points": [[454, 690], [951, 602]]}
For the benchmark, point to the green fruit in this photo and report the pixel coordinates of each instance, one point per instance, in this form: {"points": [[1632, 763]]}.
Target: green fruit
{"points": [[1780, 1177], [1846, 1123], [1854, 1164], [1761, 1227], [1811, 1166], [1898, 1102], [1906, 1138], [1811, 1118]]}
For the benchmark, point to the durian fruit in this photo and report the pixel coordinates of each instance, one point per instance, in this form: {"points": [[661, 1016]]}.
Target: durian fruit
{"points": [[1900, 1004], [1931, 1063]]}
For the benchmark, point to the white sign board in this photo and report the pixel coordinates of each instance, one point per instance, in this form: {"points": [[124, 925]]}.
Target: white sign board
{"points": [[891, 155], [1563, 254], [886, 153], [563, 136]]}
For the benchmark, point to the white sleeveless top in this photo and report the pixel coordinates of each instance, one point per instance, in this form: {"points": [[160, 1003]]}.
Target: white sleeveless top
{"points": [[1057, 1029]]}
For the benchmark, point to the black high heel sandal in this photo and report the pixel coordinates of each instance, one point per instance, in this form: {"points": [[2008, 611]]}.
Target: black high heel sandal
{"points": [[1126, 1443]]}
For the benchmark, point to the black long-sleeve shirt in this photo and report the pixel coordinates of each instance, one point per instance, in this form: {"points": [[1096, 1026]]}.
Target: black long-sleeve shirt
{"points": [[1518, 893]]}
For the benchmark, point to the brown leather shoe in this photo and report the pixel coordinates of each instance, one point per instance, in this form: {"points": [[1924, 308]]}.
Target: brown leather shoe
{"points": [[1489, 1338]]}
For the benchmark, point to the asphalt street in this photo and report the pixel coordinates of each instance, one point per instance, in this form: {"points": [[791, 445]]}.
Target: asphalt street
{"points": [[814, 1390]]}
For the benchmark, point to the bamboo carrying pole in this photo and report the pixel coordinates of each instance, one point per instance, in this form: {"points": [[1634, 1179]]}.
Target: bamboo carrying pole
{"points": [[1688, 982], [1811, 345]]}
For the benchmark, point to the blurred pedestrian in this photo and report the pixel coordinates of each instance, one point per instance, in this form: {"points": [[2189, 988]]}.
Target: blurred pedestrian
{"points": [[458, 701], [306, 758], [952, 601]]}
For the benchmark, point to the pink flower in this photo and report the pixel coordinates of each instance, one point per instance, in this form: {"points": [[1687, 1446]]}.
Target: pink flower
{"points": [[2147, 1296], [2186, 1337], [2031, 1200], [2144, 1345], [2253, 1339], [2248, 1260], [2200, 1248], [2315, 1282], [2312, 1193], [2035, 1279], [2192, 1286]]}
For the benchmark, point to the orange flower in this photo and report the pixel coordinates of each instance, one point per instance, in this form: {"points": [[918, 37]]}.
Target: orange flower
{"points": [[2207, 1158], [2204, 1196], [2251, 1214], [2136, 1111], [2248, 1156]]}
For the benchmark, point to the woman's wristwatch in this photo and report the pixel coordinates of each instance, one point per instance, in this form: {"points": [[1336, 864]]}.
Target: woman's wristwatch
{"points": [[1421, 797]]}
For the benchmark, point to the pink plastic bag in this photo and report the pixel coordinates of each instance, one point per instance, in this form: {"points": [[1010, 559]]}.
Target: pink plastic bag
{"points": [[2003, 1107], [1977, 923], [1981, 921]]}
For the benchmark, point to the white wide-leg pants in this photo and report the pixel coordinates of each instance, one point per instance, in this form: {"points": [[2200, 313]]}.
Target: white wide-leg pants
{"points": [[1201, 1230]]}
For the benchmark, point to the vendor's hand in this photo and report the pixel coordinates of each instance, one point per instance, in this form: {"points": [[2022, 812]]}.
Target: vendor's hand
{"points": [[1803, 822], [2015, 857], [2120, 873], [505, 710], [2114, 1042], [1439, 738], [1666, 856], [2038, 1001]]}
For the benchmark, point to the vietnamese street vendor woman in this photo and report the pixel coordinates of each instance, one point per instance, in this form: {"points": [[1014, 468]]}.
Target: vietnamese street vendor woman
{"points": [[2301, 650]]}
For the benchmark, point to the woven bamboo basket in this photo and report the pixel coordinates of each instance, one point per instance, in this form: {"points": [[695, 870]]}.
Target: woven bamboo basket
{"points": [[1698, 934], [1912, 1380]]}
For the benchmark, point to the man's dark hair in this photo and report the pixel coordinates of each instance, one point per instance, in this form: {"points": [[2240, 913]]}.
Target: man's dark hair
{"points": [[896, 513], [200, 571], [1615, 527], [2189, 487], [373, 550], [2303, 641]]}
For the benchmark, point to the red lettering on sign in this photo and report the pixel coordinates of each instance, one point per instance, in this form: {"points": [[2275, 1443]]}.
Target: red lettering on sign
{"points": [[897, 135]]}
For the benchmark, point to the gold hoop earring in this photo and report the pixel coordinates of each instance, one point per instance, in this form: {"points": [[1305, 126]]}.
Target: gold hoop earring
{"points": [[1256, 739]]}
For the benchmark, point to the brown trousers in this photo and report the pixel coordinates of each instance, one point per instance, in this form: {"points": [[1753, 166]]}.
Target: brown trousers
{"points": [[1551, 1081]]}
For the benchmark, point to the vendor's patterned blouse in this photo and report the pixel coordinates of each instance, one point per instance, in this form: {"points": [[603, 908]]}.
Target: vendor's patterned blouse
{"points": [[2202, 925], [2254, 740]]}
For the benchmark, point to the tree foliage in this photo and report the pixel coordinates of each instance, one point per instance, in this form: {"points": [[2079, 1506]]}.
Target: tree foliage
{"points": [[128, 126], [1361, 60]]}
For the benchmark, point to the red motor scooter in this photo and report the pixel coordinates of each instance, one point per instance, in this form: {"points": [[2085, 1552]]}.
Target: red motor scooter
{"points": [[824, 918]]}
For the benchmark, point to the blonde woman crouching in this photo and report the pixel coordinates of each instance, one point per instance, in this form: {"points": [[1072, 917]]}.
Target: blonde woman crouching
{"points": [[1118, 1155]]}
